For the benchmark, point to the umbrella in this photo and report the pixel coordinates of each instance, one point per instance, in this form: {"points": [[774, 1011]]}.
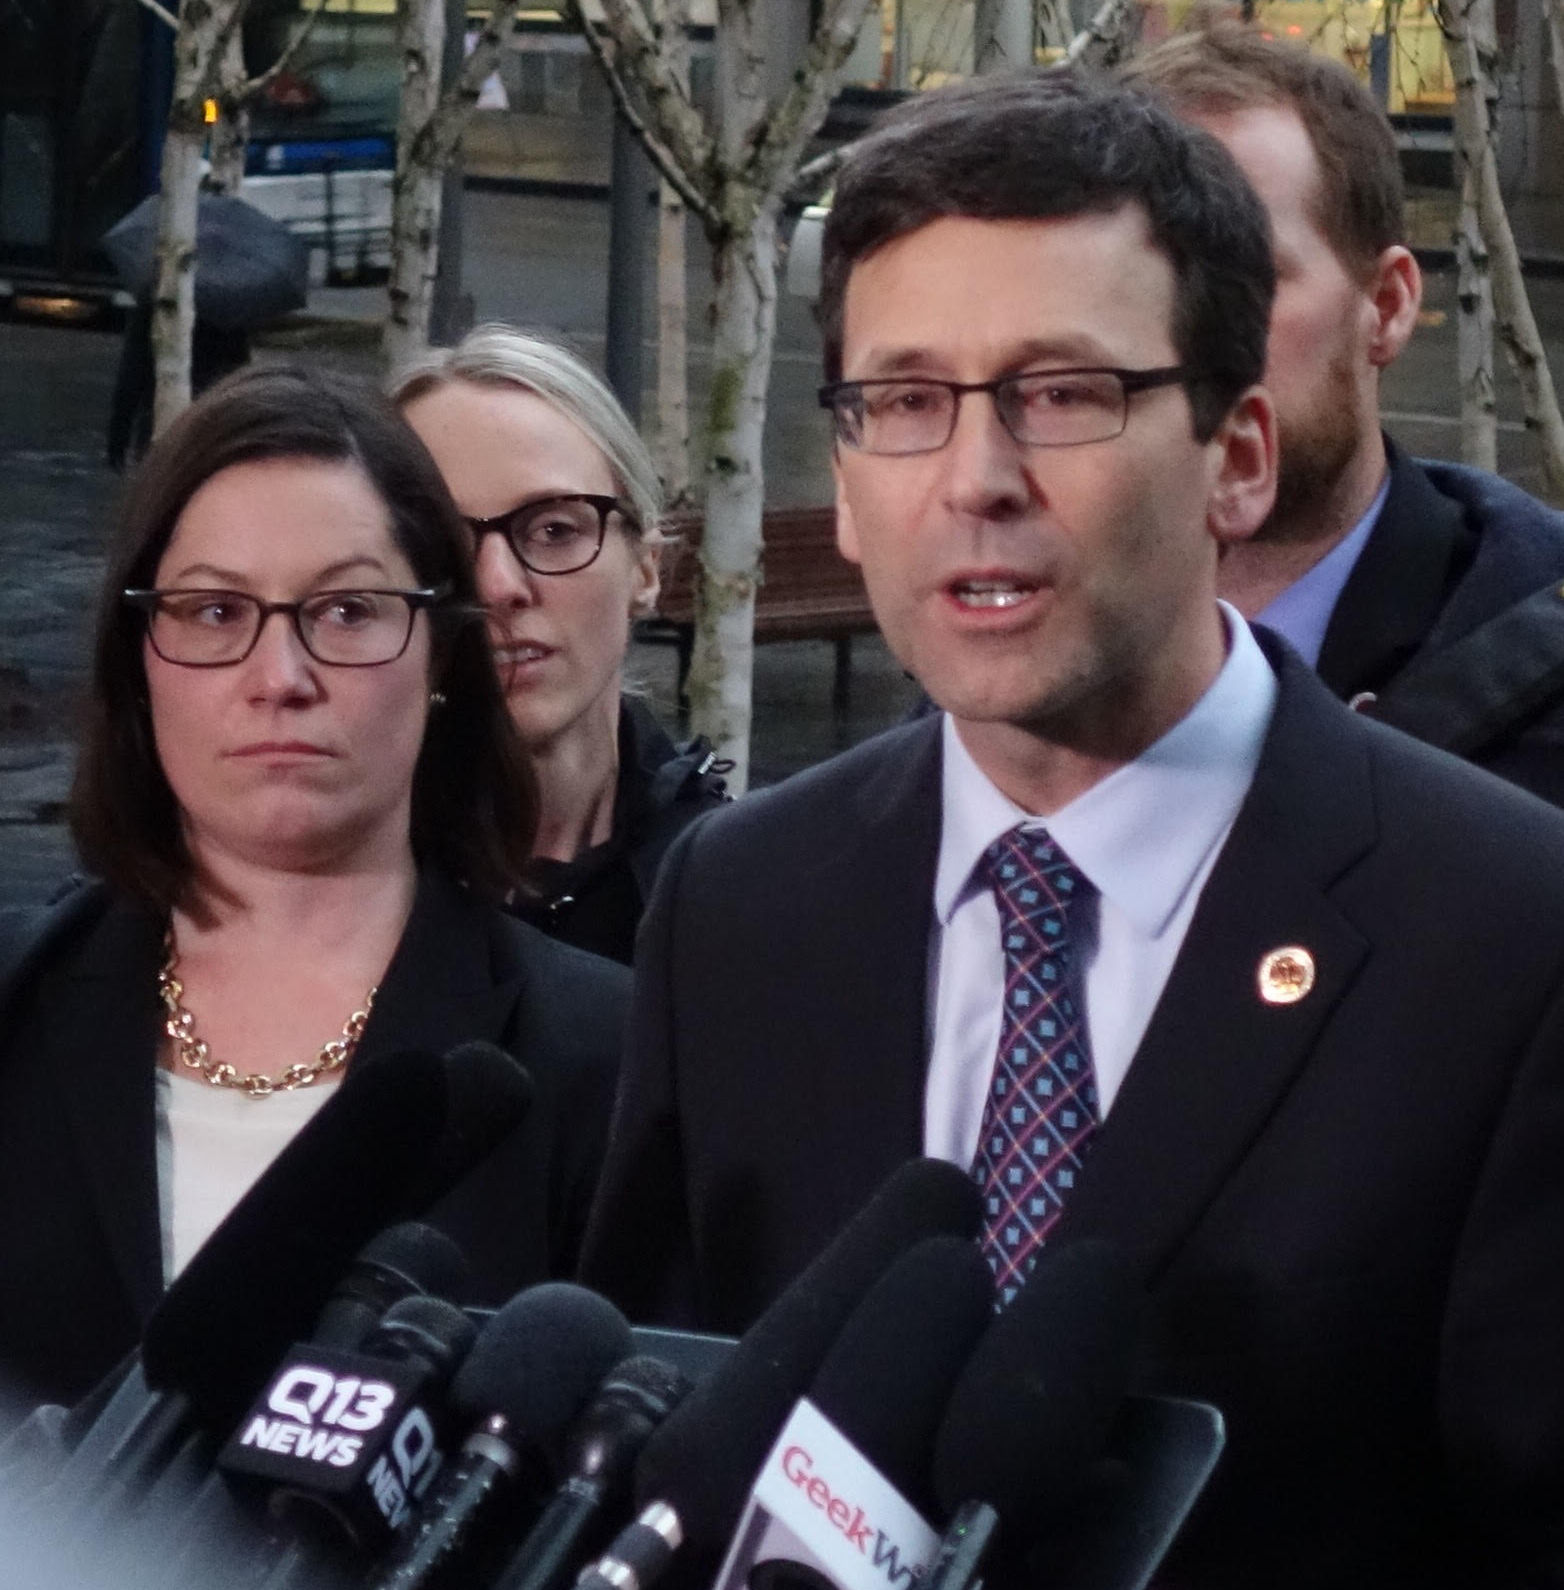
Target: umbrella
{"points": [[248, 269]]}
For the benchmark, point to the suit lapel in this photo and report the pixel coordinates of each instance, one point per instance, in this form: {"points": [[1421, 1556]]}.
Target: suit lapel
{"points": [[1217, 1058], [1416, 551], [446, 977], [106, 1078]]}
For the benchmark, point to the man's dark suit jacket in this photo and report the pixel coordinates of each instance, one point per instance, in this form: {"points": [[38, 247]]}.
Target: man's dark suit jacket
{"points": [[80, 1251], [1348, 1212], [1453, 620]]}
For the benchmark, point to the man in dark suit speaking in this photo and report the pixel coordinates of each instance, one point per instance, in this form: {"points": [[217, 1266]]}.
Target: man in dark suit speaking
{"points": [[1144, 926]]}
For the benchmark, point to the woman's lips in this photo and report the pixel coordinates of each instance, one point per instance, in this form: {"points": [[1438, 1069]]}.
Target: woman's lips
{"points": [[278, 748]]}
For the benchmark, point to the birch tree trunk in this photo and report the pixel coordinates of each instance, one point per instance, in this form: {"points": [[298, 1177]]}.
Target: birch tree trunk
{"points": [[1108, 37], [429, 127], [415, 188], [733, 176], [673, 375], [1002, 32], [722, 665], [1516, 325], [1556, 46], [1474, 285], [205, 30], [231, 132]]}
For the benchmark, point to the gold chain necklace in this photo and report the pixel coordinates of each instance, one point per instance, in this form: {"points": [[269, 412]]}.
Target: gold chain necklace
{"points": [[194, 1053]]}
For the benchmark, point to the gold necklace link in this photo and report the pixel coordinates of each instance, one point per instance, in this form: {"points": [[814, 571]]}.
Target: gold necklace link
{"points": [[196, 1054]]}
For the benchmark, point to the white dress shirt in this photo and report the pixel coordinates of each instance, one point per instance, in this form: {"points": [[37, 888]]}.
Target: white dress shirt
{"points": [[1146, 837]]}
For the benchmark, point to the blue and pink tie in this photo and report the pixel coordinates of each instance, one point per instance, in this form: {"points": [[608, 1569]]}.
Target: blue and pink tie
{"points": [[1042, 1111]]}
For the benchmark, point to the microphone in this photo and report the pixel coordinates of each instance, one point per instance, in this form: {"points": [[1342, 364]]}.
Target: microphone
{"points": [[406, 1260], [391, 1140], [887, 1381], [353, 1439], [843, 1497], [600, 1453], [488, 1092], [1034, 1405], [260, 1279], [535, 1364], [693, 1478]]}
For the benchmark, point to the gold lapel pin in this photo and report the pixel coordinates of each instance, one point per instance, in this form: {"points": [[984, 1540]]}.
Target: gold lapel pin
{"points": [[1285, 975]]}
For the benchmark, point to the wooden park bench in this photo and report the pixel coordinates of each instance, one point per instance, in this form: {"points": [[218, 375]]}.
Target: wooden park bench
{"points": [[808, 591]]}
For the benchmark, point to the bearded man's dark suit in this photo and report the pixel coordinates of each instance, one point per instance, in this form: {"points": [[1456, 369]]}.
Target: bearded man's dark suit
{"points": [[1451, 624], [1348, 1211]]}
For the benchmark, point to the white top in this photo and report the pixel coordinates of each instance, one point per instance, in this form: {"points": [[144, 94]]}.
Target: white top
{"points": [[213, 1144], [1146, 837]]}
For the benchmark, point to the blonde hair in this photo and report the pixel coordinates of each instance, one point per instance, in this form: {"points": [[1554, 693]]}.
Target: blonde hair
{"points": [[501, 355]]}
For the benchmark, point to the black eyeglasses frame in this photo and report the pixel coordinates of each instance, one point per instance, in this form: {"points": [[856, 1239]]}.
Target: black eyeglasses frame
{"points": [[1131, 382], [499, 524], [146, 601]]}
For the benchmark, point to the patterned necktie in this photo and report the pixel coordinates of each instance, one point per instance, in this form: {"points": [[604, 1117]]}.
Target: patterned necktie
{"points": [[1042, 1104]]}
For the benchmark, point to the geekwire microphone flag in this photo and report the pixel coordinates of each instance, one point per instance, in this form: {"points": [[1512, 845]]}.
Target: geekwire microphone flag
{"points": [[838, 1494]]}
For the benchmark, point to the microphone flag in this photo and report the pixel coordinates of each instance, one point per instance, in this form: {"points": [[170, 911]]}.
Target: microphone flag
{"points": [[820, 1508]]}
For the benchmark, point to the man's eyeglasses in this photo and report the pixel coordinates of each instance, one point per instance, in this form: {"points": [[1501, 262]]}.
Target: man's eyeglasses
{"points": [[344, 629], [556, 535], [1039, 408]]}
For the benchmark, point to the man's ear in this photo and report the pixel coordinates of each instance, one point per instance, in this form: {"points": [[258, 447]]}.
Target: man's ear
{"points": [[1395, 289], [846, 529], [1243, 485]]}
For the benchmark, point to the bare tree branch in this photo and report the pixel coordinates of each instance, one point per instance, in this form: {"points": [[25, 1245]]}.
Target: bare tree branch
{"points": [[687, 182], [262, 81], [166, 17], [1103, 40], [812, 176], [797, 119], [440, 135], [629, 51]]}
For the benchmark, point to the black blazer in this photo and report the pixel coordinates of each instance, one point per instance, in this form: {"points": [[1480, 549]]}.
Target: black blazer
{"points": [[1348, 1212], [80, 1249]]}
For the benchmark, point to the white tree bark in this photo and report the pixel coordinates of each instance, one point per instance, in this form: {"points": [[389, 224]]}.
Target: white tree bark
{"points": [[1556, 45], [429, 127], [232, 129], [673, 383], [1516, 325], [201, 40], [733, 176], [415, 189], [1002, 32], [1108, 37], [1474, 284]]}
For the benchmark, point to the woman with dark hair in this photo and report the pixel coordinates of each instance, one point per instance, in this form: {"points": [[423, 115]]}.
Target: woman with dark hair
{"points": [[563, 501], [302, 798]]}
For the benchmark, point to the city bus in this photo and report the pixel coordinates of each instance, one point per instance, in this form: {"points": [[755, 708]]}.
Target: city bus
{"points": [[84, 93]]}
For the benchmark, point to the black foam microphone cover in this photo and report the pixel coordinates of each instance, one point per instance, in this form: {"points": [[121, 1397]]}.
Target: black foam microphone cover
{"points": [[405, 1260], [1032, 1409], [528, 1375], [255, 1287], [703, 1459], [488, 1094], [886, 1382]]}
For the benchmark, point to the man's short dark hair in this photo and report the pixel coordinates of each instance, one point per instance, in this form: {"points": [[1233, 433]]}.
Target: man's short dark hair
{"points": [[1226, 66], [1052, 144], [474, 798]]}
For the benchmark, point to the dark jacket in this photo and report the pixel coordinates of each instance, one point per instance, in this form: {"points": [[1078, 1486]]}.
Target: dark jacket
{"points": [[1453, 620], [596, 901], [80, 1245], [1348, 1212]]}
